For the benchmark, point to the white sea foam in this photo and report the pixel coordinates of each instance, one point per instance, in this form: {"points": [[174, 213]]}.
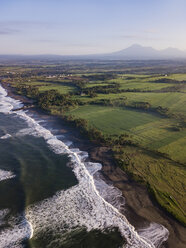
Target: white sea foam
{"points": [[4, 175], [156, 233], [6, 136], [18, 230], [87, 204], [92, 203], [7, 103]]}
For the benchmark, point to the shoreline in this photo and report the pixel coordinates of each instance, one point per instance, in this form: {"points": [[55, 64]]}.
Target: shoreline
{"points": [[140, 208]]}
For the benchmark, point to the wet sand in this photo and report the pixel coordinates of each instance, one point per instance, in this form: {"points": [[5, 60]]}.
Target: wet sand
{"points": [[140, 208]]}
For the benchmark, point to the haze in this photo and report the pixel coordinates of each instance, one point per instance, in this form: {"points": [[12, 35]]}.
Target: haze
{"points": [[71, 27]]}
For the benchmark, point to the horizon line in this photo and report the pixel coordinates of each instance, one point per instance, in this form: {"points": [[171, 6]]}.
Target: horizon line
{"points": [[91, 54]]}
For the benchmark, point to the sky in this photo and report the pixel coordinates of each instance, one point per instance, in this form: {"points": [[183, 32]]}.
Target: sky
{"points": [[74, 27]]}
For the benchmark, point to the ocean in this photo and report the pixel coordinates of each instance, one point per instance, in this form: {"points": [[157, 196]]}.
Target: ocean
{"points": [[52, 195]]}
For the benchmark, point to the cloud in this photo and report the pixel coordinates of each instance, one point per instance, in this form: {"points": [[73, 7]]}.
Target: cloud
{"points": [[13, 27], [130, 36], [151, 31], [46, 41], [145, 35], [64, 43], [8, 31]]}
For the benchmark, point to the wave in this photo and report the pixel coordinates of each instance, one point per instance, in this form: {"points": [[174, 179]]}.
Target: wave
{"points": [[6, 136], [7, 103], [92, 203], [18, 230], [155, 233], [4, 175]]}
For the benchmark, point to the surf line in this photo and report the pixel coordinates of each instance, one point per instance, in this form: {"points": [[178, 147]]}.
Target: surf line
{"points": [[48, 136], [31, 229], [126, 225]]}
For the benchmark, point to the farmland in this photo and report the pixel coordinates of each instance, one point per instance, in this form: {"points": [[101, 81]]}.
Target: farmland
{"points": [[139, 113], [148, 130]]}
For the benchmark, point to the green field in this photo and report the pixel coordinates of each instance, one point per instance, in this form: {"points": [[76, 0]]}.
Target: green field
{"points": [[148, 108], [166, 175], [147, 129], [165, 178], [113, 120], [175, 101], [62, 89], [45, 86], [140, 83]]}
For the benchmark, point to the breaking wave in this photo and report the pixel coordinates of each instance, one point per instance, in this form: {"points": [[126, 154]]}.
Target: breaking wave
{"points": [[4, 175], [6, 136], [92, 203]]}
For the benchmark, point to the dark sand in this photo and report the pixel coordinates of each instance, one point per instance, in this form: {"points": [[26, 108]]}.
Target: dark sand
{"points": [[140, 209]]}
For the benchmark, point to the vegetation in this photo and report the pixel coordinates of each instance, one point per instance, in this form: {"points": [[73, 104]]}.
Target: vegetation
{"points": [[165, 179], [137, 108]]}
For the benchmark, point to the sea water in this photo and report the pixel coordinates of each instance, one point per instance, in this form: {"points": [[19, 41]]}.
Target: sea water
{"points": [[52, 195]]}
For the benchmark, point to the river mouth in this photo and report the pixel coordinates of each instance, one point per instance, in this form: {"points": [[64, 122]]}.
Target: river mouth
{"points": [[57, 194]]}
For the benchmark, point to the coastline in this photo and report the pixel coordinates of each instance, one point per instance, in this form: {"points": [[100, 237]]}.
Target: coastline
{"points": [[140, 209]]}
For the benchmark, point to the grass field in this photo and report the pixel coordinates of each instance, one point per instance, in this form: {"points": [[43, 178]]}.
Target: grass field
{"points": [[159, 157], [112, 120], [179, 77], [165, 178], [63, 89], [175, 101], [147, 129], [139, 83]]}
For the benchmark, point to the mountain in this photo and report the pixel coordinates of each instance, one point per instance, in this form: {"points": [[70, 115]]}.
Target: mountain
{"points": [[140, 52], [134, 52], [173, 52]]}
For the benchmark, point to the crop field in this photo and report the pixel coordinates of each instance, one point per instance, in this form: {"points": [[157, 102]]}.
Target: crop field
{"points": [[45, 86], [112, 120], [175, 101], [139, 83], [149, 108], [179, 77], [63, 89], [147, 129]]}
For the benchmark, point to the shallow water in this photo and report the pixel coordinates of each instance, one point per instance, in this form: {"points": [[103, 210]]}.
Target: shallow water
{"points": [[52, 195]]}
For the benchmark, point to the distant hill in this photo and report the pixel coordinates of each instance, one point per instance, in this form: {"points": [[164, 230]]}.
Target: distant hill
{"points": [[134, 52], [141, 52]]}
